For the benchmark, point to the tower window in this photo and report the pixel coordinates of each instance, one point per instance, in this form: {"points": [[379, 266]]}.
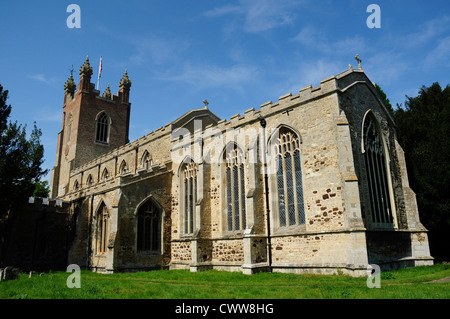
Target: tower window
{"points": [[102, 129]]}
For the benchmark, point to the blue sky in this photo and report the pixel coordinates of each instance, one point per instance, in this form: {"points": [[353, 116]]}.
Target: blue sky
{"points": [[237, 54]]}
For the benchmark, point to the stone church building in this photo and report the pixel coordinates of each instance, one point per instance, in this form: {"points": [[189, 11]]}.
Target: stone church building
{"points": [[313, 182]]}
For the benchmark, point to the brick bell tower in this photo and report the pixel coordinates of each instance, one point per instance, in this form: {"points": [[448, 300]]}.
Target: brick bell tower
{"points": [[92, 125]]}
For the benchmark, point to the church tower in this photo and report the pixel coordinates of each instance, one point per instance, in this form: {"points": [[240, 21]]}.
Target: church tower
{"points": [[92, 125]]}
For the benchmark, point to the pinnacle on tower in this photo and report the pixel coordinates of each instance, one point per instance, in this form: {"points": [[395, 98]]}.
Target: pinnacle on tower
{"points": [[125, 82], [107, 94], [70, 86], [85, 76], [86, 69]]}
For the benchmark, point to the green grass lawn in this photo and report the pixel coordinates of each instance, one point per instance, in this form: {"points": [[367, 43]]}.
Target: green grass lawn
{"points": [[410, 283]]}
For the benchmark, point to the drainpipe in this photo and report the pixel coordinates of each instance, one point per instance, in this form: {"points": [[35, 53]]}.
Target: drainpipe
{"points": [[266, 184], [90, 231], [67, 234]]}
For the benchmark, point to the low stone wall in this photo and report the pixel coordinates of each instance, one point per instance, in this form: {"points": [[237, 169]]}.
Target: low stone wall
{"points": [[37, 235]]}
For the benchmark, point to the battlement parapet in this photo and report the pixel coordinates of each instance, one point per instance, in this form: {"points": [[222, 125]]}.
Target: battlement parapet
{"points": [[48, 204]]}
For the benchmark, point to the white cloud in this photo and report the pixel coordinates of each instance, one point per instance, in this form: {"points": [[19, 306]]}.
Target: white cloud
{"points": [[439, 56], [426, 32], [311, 72], [212, 76], [157, 50], [267, 14], [258, 16], [316, 39], [398, 54], [308, 35], [47, 114], [43, 78], [386, 66], [300, 73], [221, 11]]}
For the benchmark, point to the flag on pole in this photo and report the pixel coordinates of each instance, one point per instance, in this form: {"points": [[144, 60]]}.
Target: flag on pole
{"points": [[99, 74]]}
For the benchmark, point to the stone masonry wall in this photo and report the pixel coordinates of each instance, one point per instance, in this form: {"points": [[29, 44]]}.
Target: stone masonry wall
{"points": [[327, 120]]}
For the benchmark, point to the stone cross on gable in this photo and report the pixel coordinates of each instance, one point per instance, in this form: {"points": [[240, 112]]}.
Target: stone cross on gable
{"points": [[206, 103], [357, 58]]}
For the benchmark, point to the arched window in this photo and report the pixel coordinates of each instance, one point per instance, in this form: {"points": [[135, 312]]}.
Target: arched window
{"points": [[102, 228], [69, 127], [189, 192], [149, 228], [289, 179], [89, 180], [146, 160], [235, 188], [76, 185], [102, 129], [105, 175], [123, 169], [377, 173]]}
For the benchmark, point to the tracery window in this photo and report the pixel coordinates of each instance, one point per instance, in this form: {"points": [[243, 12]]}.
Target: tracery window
{"points": [[189, 184], [289, 184], [235, 188], [146, 160], [102, 128], [102, 229], [149, 228], [377, 173]]}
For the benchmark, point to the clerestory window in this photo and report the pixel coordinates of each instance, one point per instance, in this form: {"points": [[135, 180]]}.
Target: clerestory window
{"points": [[89, 180], [123, 169], [76, 185], [105, 175], [146, 160]]}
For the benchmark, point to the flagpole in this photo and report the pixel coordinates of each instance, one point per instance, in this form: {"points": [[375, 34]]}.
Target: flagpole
{"points": [[99, 74]]}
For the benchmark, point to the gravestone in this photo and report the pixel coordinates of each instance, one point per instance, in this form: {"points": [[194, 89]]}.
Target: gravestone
{"points": [[9, 273]]}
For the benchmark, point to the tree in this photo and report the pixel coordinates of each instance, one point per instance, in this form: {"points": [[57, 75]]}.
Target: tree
{"points": [[5, 110], [20, 159], [386, 101], [423, 129], [42, 189]]}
